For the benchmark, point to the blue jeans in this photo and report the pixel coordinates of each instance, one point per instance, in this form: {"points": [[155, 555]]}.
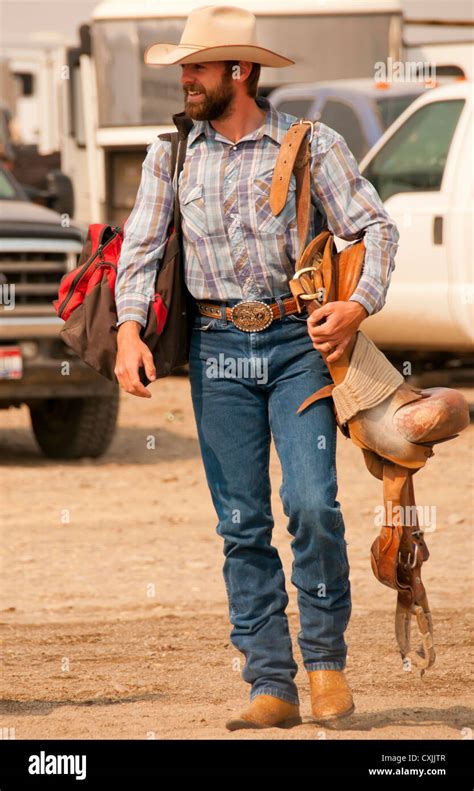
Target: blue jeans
{"points": [[252, 395]]}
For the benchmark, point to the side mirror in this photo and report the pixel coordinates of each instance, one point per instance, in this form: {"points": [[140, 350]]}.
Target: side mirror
{"points": [[60, 192], [36, 195]]}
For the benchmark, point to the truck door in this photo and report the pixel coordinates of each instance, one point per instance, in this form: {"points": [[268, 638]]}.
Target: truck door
{"points": [[459, 233], [413, 173]]}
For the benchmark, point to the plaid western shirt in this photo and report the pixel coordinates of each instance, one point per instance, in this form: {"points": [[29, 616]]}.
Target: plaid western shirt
{"points": [[234, 247]]}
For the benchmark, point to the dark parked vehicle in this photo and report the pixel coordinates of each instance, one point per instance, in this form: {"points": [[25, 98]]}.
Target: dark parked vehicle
{"points": [[73, 409]]}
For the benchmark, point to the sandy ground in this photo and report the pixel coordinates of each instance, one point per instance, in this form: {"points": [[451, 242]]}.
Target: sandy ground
{"points": [[113, 609]]}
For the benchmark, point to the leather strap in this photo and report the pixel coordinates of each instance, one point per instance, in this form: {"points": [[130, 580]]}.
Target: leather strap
{"points": [[397, 555], [178, 142], [294, 154], [214, 311]]}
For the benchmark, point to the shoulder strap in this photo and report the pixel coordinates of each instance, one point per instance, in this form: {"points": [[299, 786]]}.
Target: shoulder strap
{"points": [[294, 154], [171, 137], [178, 155]]}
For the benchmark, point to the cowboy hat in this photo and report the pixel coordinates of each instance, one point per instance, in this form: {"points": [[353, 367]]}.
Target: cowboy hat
{"points": [[206, 36]]}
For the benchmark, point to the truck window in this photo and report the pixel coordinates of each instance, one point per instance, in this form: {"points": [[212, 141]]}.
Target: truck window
{"points": [[392, 106], [414, 158], [341, 117], [7, 189]]}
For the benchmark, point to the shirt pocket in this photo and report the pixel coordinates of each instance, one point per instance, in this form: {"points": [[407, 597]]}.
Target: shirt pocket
{"points": [[193, 212], [265, 220]]}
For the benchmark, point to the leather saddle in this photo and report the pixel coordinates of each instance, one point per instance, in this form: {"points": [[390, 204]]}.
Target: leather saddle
{"points": [[395, 425]]}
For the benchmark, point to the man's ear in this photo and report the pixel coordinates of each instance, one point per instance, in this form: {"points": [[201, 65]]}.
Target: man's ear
{"points": [[245, 67]]}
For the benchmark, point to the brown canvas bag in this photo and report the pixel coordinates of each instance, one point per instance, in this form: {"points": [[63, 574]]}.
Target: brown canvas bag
{"points": [[86, 299]]}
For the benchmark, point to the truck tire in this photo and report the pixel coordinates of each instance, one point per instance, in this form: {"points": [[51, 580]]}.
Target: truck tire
{"points": [[70, 428]]}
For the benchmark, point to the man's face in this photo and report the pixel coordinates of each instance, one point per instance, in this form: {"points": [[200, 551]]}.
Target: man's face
{"points": [[216, 91]]}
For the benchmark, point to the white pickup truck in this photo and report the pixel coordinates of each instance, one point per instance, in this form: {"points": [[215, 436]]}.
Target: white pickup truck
{"points": [[423, 169]]}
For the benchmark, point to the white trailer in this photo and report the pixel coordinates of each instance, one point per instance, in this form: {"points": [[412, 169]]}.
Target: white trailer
{"points": [[35, 70], [446, 43]]}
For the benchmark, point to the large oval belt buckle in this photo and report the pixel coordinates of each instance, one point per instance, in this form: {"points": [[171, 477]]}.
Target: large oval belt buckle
{"points": [[252, 316]]}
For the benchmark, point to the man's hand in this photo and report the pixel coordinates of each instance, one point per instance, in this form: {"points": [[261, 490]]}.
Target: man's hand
{"points": [[342, 321], [131, 354]]}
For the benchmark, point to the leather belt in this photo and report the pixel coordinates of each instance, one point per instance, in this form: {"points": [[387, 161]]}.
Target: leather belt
{"points": [[251, 315]]}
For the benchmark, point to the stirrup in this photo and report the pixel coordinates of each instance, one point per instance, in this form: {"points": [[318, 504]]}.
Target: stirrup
{"points": [[425, 654]]}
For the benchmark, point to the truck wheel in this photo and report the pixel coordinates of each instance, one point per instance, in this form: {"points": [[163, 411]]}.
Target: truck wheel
{"points": [[69, 428]]}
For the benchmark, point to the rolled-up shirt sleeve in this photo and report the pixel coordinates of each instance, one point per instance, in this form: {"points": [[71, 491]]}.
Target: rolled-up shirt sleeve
{"points": [[145, 236], [353, 209]]}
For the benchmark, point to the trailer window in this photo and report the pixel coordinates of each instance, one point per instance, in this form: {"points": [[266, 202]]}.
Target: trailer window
{"points": [[25, 82], [413, 160], [131, 93]]}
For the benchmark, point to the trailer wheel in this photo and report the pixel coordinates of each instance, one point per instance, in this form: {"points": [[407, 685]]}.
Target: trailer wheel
{"points": [[71, 428]]}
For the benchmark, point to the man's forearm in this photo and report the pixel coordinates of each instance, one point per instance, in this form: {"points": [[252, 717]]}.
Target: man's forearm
{"points": [[129, 327]]}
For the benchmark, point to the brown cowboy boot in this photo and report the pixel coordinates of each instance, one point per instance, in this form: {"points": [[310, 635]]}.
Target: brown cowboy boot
{"points": [[331, 697], [266, 711]]}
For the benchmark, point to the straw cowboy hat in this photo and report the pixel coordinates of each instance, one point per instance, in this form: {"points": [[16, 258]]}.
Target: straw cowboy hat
{"points": [[216, 33]]}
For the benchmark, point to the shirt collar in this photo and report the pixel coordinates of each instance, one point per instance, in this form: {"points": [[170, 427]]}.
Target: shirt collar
{"points": [[274, 126]]}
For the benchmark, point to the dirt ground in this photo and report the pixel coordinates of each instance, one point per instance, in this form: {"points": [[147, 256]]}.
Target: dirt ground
{"points": [[113, 609]]}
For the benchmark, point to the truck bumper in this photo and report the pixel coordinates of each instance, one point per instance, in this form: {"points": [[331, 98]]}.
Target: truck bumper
{"points": [[43, 378]]}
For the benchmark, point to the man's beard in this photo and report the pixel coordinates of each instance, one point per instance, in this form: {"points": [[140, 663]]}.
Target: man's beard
{"points": [[214, 104]]}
